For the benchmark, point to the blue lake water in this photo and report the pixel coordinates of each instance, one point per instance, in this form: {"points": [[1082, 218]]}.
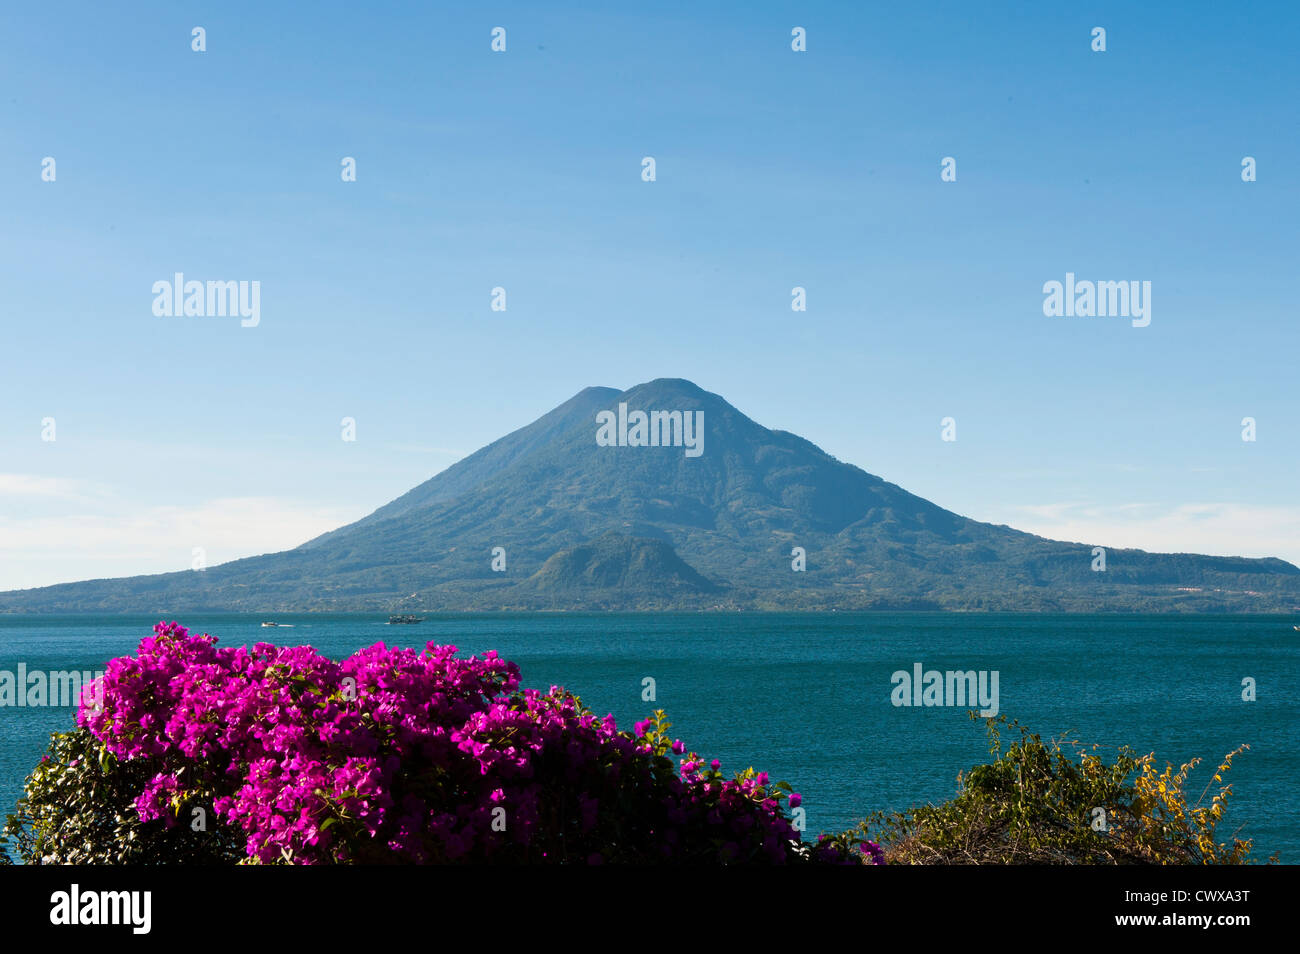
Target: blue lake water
{"points": [[806, 697]]}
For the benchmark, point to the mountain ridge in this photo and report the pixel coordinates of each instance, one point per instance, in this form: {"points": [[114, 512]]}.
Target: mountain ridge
{"points": [[650, 527]]}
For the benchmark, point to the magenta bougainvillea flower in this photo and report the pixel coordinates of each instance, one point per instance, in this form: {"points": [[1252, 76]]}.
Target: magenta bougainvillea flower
{"points": [[398, 755]]}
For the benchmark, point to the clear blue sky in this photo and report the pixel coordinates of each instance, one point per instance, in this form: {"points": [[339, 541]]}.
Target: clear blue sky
{"points": [[523, 170]]}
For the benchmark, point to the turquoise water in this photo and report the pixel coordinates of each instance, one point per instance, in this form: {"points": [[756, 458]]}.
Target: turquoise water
{"points": [[806, 697]]}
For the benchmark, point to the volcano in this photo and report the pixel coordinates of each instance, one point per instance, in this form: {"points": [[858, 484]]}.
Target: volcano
{"points": [[683, 503]]}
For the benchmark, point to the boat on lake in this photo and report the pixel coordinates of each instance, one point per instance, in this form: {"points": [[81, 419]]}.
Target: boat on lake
{"points": [[404, 619]]}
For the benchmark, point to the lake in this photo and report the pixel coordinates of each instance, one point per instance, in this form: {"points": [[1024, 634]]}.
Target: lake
{"points": [[807, 697]]}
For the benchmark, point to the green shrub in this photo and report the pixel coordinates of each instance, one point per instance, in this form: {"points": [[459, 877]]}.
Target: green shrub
{"points": [[1038, 803], [78, 808]]}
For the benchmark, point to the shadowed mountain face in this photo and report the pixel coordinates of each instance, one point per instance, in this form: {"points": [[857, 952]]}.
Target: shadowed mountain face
{"points": [[573, 521]]}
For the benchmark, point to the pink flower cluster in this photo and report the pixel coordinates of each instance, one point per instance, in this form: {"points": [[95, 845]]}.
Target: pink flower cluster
{"points": [[396, 755]]}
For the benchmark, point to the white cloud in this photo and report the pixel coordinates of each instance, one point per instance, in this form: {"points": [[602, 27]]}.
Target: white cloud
{"points": [[40, 550], [1221, 529], [20, 486]]}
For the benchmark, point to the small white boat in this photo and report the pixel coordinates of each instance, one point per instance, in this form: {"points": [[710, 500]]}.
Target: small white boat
{"points": [[265, 625], [1296, 628]]}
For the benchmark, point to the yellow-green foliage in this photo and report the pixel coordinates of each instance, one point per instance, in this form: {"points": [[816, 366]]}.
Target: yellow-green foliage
{"points": [[1175, 832], [1063, 803]]}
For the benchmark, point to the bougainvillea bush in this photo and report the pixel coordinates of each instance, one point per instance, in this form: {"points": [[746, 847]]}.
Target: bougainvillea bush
{"points": [[390, 756]]}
